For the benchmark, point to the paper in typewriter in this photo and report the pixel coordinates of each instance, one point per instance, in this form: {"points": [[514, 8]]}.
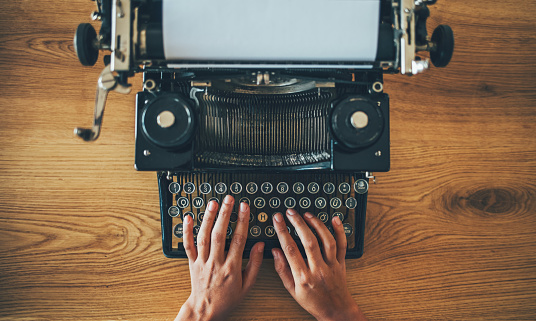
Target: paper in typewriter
{"points": [[271, 30]]}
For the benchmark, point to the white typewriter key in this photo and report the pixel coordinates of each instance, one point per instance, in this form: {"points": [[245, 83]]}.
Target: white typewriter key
{"points": [[188, 214], [298, 188], [335, 202], [244, 200], [198, 202], [313, 187], [269, 231], [236, 188], [251, 188], [329, 188], [344, 188], [267, 187], [196, 230], [220, 188], [361, 186], [320, 202], [182, 202], [274, 202], [213, 199], [259, 202], [200, 217], [229, 231], [178, 230], [290, 202], [323, 216], [282, 188], [305, 202], [173, 211], [255, 231], [205, 188], [174, 188], [189, 188], [351, 202]]}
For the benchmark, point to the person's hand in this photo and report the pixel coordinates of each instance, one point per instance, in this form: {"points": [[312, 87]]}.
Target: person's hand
{"points": [[218, 282], [318, 285]]}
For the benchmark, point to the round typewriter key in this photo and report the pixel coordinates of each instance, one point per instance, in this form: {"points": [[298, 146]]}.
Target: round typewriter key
{"points": [[220, 188], [269, 231], [274, 202], [229, 231], [251, 188], [344, 188], [198, 202], [290, 202], [251, 217], [174, 188], [182, 202], [340, 215], [288, 228], [305, 202], [233, 218], [196, 230], [276, 213], [296, 233], [267, 187], [329, 188], [262, 217], [320, 202], [351, 202], [255, 231], [348, 230], [282, 188], [313, 187], [298, 188], [213, 199], [236, 188], [244, 200], [173, 211], [188, 214], [323, 216], [200, 217], [178, 231], [361, 186], [205, 188], [259, 202], [335, 202], [189, 188]]}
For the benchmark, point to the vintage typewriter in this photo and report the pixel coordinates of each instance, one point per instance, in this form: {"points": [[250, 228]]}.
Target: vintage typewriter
{"points": [[279, 103]]}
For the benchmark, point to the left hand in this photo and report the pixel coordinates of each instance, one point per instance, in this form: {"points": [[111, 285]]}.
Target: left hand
{"points": [[218, 282]]}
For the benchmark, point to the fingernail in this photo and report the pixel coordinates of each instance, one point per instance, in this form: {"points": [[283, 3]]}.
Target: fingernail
{"points": [[212, 205], [228, 199], [278, 217], [261, 248], [308, 215], [275, 254], [187, 220], [337, 220], [243, 206], [291, 212]]}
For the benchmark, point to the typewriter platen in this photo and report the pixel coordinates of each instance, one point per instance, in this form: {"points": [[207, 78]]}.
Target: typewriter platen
{"points": [[278, 103]]}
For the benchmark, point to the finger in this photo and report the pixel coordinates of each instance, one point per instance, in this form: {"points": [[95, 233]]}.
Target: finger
{"points": [[188, 239], [249, 276], [308, 239], [240, 235], [329, 246], [290, 249], [283, 269], [203, 238], [340, 237], [219, 233]]}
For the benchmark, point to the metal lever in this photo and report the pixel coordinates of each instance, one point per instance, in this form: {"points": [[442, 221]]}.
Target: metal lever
{"points": [[107, 81]]}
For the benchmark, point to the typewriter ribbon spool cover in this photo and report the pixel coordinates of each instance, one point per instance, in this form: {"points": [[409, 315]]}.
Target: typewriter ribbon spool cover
{"points": [[279, 103]]}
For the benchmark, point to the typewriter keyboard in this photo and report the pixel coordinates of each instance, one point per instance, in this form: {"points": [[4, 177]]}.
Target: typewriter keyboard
{"points": [[323, 194]]}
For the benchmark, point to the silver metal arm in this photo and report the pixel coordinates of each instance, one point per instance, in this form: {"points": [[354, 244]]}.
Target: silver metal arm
{"points": [[107, 81]]}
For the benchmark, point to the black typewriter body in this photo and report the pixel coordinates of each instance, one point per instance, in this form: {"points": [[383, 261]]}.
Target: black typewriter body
{"points": [[304, 134]]}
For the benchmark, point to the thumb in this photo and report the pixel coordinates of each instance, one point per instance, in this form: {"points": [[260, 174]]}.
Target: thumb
{"points": [[249, 276]]}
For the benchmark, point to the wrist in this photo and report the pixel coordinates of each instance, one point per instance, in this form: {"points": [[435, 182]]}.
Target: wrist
{"points": [[350, 312], [189, 312]]}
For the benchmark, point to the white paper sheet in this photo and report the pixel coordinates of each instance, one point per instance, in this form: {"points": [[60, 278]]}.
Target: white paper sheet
{"points": [[271, 30]]}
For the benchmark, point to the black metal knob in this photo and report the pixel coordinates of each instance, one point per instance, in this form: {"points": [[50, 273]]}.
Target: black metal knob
{"points": [[443, 38], [84, 44]]}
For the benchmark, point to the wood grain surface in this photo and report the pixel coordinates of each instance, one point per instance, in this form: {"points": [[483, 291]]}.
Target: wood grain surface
{"points": [[450, 229]]}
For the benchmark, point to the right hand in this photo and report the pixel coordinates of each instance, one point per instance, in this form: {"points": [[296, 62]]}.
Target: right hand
{"points": [[319, 285]]}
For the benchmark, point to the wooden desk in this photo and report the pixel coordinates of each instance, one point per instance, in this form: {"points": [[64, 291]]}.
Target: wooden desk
{"points": [[450, 230]]}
